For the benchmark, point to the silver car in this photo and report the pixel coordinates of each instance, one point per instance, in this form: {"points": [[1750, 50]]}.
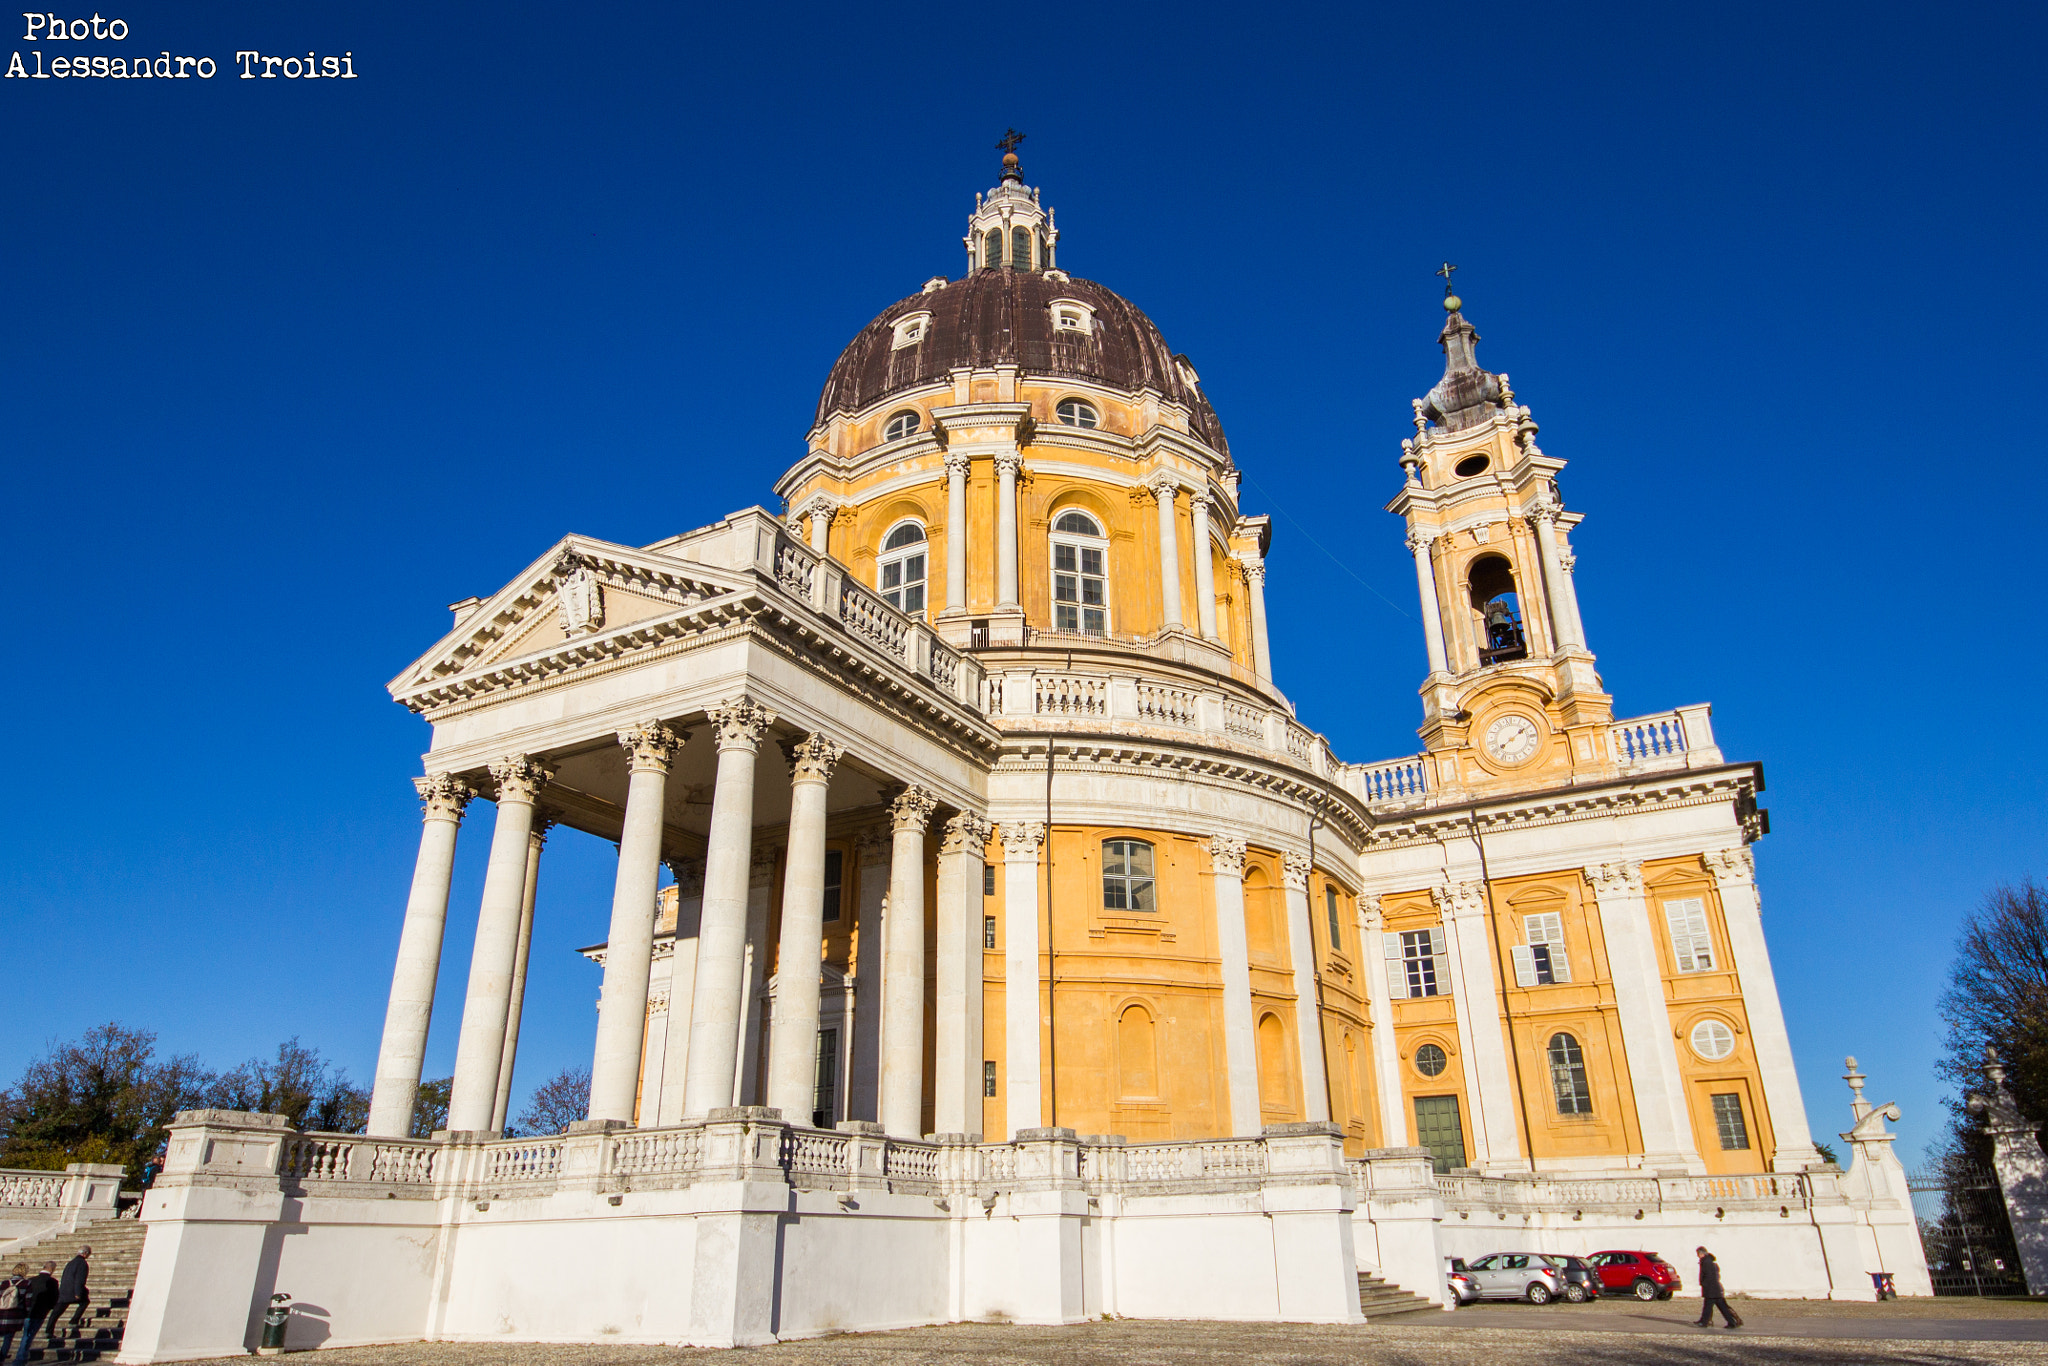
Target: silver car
{"points": [[1515, 1276]]}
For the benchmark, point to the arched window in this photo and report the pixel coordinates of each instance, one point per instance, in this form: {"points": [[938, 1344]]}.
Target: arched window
{"points": [[1072, 412], [1499, 609], [992, 249], [1020, 248], [1127, 876], [1137, 1063], [1080, 582], [901, 425], [899, 572], [1568, 1076]]}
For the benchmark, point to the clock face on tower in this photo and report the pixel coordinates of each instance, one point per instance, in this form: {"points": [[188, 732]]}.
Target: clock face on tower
{"points": [[1512, 739]]}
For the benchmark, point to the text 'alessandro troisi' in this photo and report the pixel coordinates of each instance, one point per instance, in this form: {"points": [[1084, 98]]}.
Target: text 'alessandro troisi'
{"points": [[53, 28]]}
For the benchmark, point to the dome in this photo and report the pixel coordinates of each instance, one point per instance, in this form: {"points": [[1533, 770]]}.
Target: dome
{"points": [[1004, 317]]}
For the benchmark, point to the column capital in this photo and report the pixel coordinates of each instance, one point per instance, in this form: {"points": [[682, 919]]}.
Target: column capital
{"points": [[520, 778], [957, 462], [1294, 869], [688, 871], [1163, 485], [871, 846], [1369, 913], [1623, 878], [812, 759], [740, 721], [1009, 462], [1226, 855], [1458, 900], [443, 796], [1021, 839], [820, 505], [1200, 497], [1253, 568], [650, 746], [542, 823], [1731, 867], [1420, 540], [1543, 510], [967, 833], [910, 811]]}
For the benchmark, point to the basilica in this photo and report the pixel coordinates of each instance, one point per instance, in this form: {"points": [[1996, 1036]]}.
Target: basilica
{"points": [[1022, 952]]}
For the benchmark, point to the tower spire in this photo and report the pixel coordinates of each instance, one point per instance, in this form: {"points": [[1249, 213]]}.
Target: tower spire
{"points": [[1466, 395]]}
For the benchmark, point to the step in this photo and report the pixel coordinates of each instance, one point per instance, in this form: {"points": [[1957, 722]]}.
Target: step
{"points": [[1378, 1299]]}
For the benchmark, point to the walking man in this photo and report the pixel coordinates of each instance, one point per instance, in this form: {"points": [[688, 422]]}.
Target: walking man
{"points": [[71, 1292], [1711, 1293], [14, 1298], [41, 1291]]}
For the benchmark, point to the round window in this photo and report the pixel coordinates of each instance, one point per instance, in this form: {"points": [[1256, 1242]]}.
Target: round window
{"points": [[1471, 465], [1712, 1040], [1072, 412], [1430, 1060]]}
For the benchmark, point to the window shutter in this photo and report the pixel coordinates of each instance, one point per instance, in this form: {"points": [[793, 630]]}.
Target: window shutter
{"points": [[1440, 950], [1560, 964], [1397, 969], [1525, 964]]}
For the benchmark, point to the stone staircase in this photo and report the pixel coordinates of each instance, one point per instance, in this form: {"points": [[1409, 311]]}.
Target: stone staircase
{"points": [[1378, 1299], [116, 1253]]}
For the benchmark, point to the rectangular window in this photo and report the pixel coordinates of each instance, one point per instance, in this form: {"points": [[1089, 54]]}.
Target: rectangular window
{"points": [[1335, 905], [1542, 960], [1729, 1124], [1414, 966], [988, 1078], [835, 865], [1437, 1129], [1691, 944], [988, 879], [1127, 876], [988, 931], [825, 1079]]}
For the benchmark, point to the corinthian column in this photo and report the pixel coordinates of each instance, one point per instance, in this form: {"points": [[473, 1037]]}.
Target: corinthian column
{"points": [[1255, 581], [1645, 1016], [682, 987], [903, 968], [1564, 622], [1205, 573], [716, 1003], [1432, 614], [956, 531], [481, 1045], [1734, 873], [1006, 528], [443, 799], [1240, 1042], [536, 840], [1164, 487], [629, 947], [1308, 1014], [1023, 1088], [956, 1051], [792, 1045]]}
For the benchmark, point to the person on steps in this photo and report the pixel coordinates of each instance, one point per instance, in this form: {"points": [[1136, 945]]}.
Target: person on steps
{"points": [[71, 1292], [1711, 1294], [41, 1291], [14, 1298]]}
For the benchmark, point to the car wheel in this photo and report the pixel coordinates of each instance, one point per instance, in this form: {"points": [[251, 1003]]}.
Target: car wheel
{"points": [[1538, 1293], [1663, 1294], [1575, 1292], [1646, 1290]]}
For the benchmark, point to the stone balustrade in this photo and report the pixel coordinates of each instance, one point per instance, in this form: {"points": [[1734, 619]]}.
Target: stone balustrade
{"points": [[33, 1203], [1565, 1193], [1680, 738]]}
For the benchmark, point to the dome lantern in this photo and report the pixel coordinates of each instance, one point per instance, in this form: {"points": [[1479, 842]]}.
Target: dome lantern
{"points": [[1009, 229]]}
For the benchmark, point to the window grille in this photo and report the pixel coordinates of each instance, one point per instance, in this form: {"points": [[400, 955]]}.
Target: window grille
{"points": [[1729, 1124], [1568, 1076]]}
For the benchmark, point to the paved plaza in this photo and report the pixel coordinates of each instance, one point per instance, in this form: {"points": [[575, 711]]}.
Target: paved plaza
{"points": [[1923, 1332]]}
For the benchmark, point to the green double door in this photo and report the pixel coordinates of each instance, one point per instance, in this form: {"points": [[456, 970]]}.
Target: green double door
{"points": [[1438, 1129]]}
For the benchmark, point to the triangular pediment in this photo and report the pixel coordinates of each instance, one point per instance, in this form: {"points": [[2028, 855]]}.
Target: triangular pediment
{"points": [[582, 590]]}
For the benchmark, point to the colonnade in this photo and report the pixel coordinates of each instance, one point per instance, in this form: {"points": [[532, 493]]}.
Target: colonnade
{"points": [[712, 985]]}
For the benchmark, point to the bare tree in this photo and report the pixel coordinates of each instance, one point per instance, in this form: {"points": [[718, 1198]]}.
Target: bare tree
{"points": [[298, 1084], [1997, 997], [558, 1102]]}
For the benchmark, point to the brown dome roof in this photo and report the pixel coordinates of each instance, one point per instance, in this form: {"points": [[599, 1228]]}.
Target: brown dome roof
{"points": [[1004, 317]]}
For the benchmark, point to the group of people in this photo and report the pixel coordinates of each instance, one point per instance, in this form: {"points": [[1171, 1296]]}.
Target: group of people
{"points": [[30, 1303]]}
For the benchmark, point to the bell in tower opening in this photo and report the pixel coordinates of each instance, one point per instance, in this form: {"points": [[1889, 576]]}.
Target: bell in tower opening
{"points": [[1493, 596]]}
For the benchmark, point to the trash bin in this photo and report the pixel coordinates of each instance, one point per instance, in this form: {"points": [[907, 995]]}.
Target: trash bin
{"points": [[274, 1320]]}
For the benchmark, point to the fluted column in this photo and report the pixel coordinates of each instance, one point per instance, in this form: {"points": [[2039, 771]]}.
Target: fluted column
{"points": [[1205, 572], [443, 798], [1255, 585], [1022, 1086], [1308, 1033], [1644, 1014], [956, 531], [1386, 1062], [792, 1046], [536, 840], [903, 968], [1164, 487], [1006, 528], [629, 946], [682, 986], [481, 1044], [716, 1004], [1240, 1040], [1734, 873], [956, 1053], [1564, 624], [1432, 613]]}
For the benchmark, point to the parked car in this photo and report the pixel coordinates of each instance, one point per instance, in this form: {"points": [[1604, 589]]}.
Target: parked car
{"points": [[1581, 1282], [1459, 1287], [1642, 1274], [1516, 1276]]}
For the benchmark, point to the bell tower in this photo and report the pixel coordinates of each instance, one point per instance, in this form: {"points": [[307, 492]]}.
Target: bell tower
{"points": [[1512, 699]]}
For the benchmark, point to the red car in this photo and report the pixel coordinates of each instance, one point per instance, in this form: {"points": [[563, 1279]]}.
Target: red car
{"points": [[1642, 1274]]}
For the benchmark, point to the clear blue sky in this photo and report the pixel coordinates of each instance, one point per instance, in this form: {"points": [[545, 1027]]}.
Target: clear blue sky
{"points": [[288, 366]]}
